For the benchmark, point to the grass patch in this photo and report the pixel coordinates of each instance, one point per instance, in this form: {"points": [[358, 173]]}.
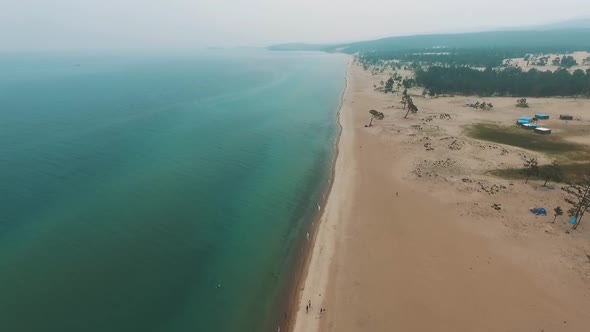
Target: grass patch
{"points": [[572, 173], [527, 139]]}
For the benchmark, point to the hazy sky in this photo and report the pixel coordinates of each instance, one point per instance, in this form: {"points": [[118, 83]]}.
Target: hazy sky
{"points": [[95, 24]]}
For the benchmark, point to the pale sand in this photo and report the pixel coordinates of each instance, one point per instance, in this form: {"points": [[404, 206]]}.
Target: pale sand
{"points": [[438, 257], [578, 56]]}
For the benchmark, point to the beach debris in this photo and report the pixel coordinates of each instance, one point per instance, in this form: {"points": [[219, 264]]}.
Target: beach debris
{"points": [[497, 206], [416, 127], [445, 116], [428, 146]]}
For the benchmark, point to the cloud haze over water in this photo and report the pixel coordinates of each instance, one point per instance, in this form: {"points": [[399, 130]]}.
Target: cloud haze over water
{"points": [[108, 24]]}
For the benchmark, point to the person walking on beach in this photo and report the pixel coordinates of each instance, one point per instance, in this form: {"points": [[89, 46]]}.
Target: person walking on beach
{"points": [[306, 309], [309, 304]]}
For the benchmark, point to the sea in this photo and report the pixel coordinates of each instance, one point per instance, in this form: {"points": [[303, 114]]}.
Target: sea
{"points": [[160, 192]]}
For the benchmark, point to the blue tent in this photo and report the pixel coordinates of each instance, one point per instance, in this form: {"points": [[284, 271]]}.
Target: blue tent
{"points": [[539, 211], [526, 118], [521, 122], [542, 116], [573, 220]]}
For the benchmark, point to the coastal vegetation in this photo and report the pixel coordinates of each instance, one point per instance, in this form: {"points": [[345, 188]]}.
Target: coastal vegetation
{"points": [[530, 168], [558, 211], [551, 172], [522, 103], [375, 115], [408, 103], [512, 81], [481, 106], [579, 199]]}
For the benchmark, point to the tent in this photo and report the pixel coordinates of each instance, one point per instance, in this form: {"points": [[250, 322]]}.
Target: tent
{"points": [[542, 131], [539, 211], [529, 126], [522, 122], [526, 118], [542, 116]]}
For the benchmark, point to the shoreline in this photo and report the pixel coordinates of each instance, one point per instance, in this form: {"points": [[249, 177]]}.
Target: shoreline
{"points": [[302, 266], [436, 256]]}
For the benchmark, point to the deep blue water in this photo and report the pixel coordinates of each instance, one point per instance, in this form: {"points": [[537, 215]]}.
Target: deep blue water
{"points": [[159, 193]]}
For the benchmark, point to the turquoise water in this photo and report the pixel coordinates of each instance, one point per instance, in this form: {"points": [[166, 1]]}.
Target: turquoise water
{"points": [[162, 193]]}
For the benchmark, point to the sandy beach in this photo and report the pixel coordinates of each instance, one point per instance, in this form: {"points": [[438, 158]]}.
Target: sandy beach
{"points": [[408, 240]]}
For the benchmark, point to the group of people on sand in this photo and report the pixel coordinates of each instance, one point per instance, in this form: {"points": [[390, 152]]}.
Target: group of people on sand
{"points": [[308, 308]]}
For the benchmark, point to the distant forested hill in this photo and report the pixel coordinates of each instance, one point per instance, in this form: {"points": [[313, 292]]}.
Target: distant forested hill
{"points": [[475, 49], [540, 40], [532, 41]]}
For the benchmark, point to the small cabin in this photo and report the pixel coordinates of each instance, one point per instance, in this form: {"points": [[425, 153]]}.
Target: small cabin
{"points": [[566, 117], [529, 126], [521, 122], [542, 116], [542, 131]]}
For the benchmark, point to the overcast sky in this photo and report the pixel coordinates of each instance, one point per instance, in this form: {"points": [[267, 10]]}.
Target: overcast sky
{"points": [[108, 24]]}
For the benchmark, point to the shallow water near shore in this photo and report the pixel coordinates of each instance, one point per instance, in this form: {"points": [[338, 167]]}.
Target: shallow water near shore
{"points": [[160, 193]]}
